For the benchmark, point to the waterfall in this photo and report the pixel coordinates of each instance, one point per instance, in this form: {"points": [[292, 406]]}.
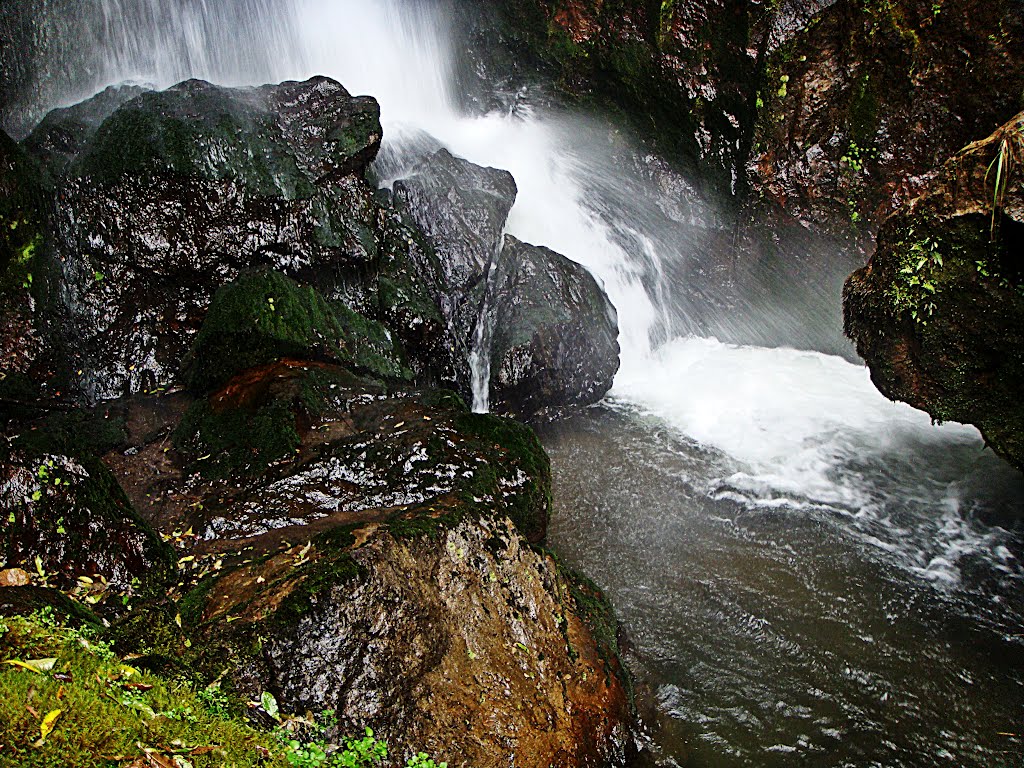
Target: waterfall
{"points": [[799, 427]]}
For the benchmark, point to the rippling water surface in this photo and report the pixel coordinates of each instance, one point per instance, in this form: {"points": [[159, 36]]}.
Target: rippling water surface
{"points": [[775, 627]]}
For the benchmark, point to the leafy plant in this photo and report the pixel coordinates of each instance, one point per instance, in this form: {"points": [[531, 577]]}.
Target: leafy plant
{"points": [[1009, 155], [919, 277]]}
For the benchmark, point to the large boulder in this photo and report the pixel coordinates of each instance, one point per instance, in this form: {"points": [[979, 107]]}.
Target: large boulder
{"points": [[540, 329], [554, 342], [166, 196], [298, 443], [462, 208], [938, 313], [384, 565], [464, 643]]}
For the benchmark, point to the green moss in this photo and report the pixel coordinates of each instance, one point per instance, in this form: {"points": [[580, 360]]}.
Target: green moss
{"points": [[151, 635], [197, 130], [265, 316], [109, 712], [933, 259], [220, 442], [333, 566], [77, 432], [22, 211], [52, 605], [594, 609], [425, 524], [529, 507], [260, 425]]}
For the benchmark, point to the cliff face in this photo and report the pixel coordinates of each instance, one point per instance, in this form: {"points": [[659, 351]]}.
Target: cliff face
{"points": [[870, 96], [829, 112], [938, 313]]}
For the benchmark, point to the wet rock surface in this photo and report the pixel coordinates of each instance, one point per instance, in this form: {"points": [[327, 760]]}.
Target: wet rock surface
{"points": [[63, 517], [297, 443], [166, 196], [821, 111], [864, 100], [464, 641], [555, 333], [462, 209], [938, 313], [546, 325]]}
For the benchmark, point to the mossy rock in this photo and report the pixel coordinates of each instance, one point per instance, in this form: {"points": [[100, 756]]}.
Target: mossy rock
{"points": [[259, 417], [521, 448], [77, 431], [63, 133], [265, 316], [246, 135], [938, 313], [66, 516], [22, 207], [50, 605], [151, 634]]}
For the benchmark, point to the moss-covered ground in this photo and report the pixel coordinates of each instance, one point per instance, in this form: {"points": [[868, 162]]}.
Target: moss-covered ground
{"points": [[66, 699]]}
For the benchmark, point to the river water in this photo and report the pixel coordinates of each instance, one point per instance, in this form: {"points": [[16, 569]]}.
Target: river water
{"points": [[808, 573]]}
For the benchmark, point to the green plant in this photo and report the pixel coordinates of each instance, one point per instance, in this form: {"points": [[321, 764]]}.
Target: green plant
{"points": [[918, 281], [67, 699], [1009, 154], [313, 749], [665, 19], [422, 760]]}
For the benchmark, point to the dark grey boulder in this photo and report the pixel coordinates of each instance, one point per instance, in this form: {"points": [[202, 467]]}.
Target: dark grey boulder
{"points": [[174, 193], [555, 339], [549, 330]]}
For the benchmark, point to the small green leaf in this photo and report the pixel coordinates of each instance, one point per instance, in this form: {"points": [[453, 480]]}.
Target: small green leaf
{"points": [[269, 704]]}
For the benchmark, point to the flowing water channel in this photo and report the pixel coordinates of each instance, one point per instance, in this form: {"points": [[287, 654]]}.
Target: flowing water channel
{"points": [[808, 573]]}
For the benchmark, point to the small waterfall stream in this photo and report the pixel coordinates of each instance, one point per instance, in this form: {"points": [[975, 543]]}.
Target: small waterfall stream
{"points": [[785, 545]]}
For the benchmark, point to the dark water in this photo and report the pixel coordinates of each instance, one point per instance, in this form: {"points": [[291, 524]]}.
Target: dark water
{"points": [[778, 637]]}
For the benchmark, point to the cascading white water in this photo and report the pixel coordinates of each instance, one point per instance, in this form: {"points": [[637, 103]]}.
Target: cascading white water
{"points": [[791, 421]]}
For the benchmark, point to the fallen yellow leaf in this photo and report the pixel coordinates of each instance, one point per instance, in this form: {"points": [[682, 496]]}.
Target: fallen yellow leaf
{"points": [[39, 666], [46, 727]]}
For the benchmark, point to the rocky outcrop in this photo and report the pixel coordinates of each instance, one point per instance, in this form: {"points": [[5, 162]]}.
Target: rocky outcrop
{"points": [[167, 196], [862, 101], [554, 342], [341, 539], [828, 111], [680, 73], [938, 313], [464, 642], [462, 209]]}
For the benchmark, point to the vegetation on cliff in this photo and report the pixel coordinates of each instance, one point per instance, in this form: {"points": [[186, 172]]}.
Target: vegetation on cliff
{"points": [[938, 313]]}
